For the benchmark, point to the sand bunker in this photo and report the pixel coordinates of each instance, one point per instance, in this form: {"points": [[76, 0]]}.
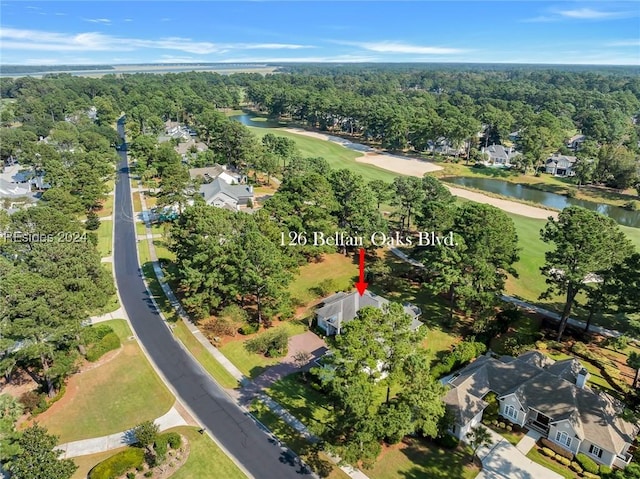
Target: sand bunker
{"points": [[398, 164]]}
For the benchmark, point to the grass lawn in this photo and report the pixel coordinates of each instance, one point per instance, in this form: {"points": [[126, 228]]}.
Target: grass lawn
{"points": [[137, 205], [340, 269], [549, 463], [309, 453], [104, 238], [304, 402], [156, 228], [596, 377], [162, 252], [206, 459], [110, 398], [107, 207], [438, 340], [86, 463], [252, 364], [206, 360], [420, 459], [337, 156], [150, 201]]}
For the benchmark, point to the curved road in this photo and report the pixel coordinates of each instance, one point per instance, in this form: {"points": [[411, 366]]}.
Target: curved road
{"points": [[258, 453]]}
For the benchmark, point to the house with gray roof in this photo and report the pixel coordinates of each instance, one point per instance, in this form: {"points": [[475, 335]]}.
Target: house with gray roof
{"points": [[575, 141], [498, 155], [561, 165], [210, 173], [551, 397], [341, 308], [223, 195]]}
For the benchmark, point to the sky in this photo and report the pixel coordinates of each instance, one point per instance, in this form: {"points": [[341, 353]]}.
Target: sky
{"points": [[126, 32]]}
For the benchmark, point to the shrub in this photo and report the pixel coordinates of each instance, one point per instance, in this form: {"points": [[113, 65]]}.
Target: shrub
{"points": [[148, 474], [160, 446], [587, 463], [95, 333], [93, 221], [501, 425], [548, 452], [33, 400], [447, 441], [631, 205], [118, 464], [576, 467], [174, 440], [509, 428], [588, 475], [131, 475], [603, 470], [486, 422], [554, 345], [556, 448], [325, 287], [563, 460], [110, 342], [494, 422], [248, 329], [234, 313], [270, 343]]}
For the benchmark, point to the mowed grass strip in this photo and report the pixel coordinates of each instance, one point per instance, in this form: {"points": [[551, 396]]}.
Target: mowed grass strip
{"points": [[206, 459], [107, 207], [337, 156], [105, 241], [110, 398]]}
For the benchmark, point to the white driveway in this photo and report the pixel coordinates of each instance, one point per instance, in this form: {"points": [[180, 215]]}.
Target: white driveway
{"points": [[503, 461]]}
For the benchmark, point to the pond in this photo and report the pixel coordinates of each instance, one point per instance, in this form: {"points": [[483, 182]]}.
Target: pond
{"points": [[257, 121], [552, 200]]}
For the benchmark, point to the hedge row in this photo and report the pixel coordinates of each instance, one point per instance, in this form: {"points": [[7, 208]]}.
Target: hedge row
{"points": [[587, 463], [108, 343], [462, 353], [118, 464], [556, 448]]}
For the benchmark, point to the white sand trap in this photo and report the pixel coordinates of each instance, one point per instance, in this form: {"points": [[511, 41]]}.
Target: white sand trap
{"points": [[505, 205], [398, 164]]}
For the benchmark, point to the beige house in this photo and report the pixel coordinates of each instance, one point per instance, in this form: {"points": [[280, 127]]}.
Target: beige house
{"points": [[551, 397]]}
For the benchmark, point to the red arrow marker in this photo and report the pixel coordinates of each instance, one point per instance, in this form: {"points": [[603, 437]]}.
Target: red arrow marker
{"points": [[361, 285]]}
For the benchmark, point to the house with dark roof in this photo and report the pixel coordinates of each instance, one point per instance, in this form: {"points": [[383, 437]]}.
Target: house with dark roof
{"points": [[341, 308], [223, 195], [210, 173], [561, 165], [551, 397], [498, 155]]}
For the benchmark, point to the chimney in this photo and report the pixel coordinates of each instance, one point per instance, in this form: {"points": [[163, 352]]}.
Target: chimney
{"points": [[581, 380]]}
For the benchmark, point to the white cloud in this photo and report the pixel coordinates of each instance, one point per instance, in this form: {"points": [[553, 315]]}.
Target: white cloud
{"points": [[128, 20], [399, 47], [58, 14], [591, 14], [20, 39], [104, 21], [307, 59], [625, 43]]}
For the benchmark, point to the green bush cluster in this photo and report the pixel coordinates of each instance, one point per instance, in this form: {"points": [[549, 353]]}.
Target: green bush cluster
{"points": [[248, 329], [462, 353], [587, 463], [272, 343], [116, 465], [108, 343], [589, 475], [548, 452], [33, 400], [173, 439], [563, 460], [603, 470], [161, 446], [95, 333], [559, 450]]}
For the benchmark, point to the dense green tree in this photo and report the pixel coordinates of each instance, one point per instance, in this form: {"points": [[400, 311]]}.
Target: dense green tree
{"points": [[584, 242], [38, 459], [174, 187], [146, 434], [408, 194], [478, 437]]}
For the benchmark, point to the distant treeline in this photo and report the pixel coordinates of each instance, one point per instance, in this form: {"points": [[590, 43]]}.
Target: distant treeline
{"points": [[12, 69]]}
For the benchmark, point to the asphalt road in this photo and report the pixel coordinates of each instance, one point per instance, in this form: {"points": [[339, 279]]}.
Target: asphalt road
{"points": [[260, 455]]}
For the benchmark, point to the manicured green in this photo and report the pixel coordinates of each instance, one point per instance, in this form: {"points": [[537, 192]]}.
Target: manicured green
{"points": [[105, 240], [549, 463], [337, 156], [420, 459], [206, 459], [252, 364], [111, 397], [300, 399]]}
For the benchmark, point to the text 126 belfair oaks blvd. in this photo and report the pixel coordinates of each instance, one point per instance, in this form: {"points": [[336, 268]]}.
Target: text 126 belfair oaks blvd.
{"points": [[378, 238]]}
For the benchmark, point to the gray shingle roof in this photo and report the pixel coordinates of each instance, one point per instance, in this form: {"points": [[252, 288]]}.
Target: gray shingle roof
{"points": [[217, 187], [546, 386], [347, 305]]}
